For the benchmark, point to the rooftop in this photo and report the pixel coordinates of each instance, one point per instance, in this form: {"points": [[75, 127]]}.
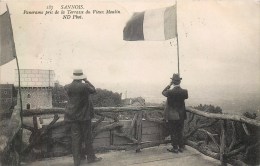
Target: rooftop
{"points": [[35, 78]]}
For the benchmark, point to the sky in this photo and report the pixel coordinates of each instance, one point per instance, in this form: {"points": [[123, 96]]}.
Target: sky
{"points": [[219, 47]]}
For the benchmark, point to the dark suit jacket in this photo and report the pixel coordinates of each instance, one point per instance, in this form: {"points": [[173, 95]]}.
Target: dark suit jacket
{"points": [[175, 105], [79, 107]]}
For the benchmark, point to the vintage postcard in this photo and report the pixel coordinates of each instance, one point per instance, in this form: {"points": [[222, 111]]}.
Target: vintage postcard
{"points": [[114, 66]]}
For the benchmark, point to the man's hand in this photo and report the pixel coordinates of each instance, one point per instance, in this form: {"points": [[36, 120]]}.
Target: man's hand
{"points": [[171, 83]]}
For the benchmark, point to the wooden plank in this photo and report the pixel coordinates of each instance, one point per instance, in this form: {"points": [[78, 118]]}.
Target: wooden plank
{"points": [[123, 109], [104, 123], [232, 117], [120, 140], [105, 134], [62, 131], [126, 124], [152, 130], [101, 142], [149, 124], [151, 137]]}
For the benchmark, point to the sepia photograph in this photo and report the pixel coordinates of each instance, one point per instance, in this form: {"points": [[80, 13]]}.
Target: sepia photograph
{"points": [[133, 82]]}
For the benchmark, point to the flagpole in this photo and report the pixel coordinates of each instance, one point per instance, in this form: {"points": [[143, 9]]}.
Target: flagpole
{"points": [[20, 135], [18, 69], [178, 55], [177, 40], [19, 89]]}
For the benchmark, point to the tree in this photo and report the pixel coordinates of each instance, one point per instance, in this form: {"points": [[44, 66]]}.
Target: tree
{"points": [[200, 120], [209, 108], [106, 98], [59, 96]]}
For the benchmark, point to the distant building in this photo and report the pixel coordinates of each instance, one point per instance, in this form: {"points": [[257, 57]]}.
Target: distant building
{"points": [[138, 101], [36, 88], [8, 96]]}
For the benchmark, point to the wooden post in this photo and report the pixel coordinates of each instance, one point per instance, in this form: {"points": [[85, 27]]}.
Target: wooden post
{"points": [[133, 123], [233, 137], [139, 129], [111, 137], [222, 143], [35, 125]]}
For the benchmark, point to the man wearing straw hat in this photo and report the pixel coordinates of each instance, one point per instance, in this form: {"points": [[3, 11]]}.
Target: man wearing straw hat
{"points": [[175, 112], [78, 113]]}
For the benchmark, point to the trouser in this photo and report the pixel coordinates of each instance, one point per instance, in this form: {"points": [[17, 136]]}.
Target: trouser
{"points": [[176, 132], [81, 132]]}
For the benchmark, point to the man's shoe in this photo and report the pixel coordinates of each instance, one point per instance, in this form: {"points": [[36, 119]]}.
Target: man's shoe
{"points": [[96, 159], [173, 150]]}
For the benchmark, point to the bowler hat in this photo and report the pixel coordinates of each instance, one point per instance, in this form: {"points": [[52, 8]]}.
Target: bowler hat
{"points": [[78, 74], [176, 77]]}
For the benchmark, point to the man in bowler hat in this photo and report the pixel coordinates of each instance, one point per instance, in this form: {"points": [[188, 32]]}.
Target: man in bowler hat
{"points": [[175, 112], [78, 113]]}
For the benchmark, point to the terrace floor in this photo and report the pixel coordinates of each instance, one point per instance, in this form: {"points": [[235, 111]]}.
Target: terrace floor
{"points": [[155, 156]]}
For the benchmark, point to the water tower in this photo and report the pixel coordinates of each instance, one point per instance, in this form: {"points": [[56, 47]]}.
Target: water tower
{"points": [[36, 88]]}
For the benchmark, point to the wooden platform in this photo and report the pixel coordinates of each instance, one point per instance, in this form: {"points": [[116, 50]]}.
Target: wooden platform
{"points": [[155, 156]]}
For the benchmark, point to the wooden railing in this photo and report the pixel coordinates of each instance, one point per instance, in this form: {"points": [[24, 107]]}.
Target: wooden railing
{"points": [[230, 144], [146, 128]]}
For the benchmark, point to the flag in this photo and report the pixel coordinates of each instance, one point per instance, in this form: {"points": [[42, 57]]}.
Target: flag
{"points": [[12, 137], [157, 24], [7, 47]]}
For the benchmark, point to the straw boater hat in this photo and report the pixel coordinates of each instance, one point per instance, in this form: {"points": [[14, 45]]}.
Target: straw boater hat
{"points": [[176, 77], [78, 74]]}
